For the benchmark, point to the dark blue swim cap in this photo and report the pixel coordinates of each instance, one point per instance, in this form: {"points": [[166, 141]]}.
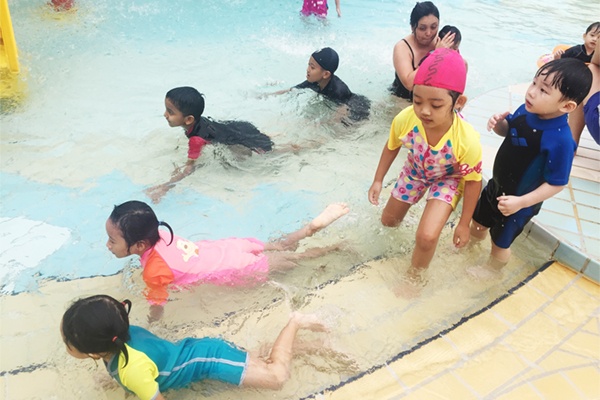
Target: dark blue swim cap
{"points": [[327, 58]]}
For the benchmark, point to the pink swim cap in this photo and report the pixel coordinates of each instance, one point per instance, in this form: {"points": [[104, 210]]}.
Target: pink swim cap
{"points": [[445, 69]]}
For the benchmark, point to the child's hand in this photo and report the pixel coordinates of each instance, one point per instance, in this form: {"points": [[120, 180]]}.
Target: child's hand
{"points": [[491, 125], [374, 192], [156, 313], [509, 205], [156, 193], [558, 54], [462, 235]]}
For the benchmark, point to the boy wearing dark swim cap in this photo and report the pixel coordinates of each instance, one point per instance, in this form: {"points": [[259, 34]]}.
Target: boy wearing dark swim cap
{"points": [[320, 77]]}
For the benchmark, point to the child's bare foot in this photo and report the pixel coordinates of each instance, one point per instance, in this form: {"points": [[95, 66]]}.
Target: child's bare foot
{"points": [[411, 284], [331, 213], [308, 321]]}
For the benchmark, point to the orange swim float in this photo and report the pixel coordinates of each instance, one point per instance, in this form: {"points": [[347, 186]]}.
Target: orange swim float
{"points": [[549, 57]]}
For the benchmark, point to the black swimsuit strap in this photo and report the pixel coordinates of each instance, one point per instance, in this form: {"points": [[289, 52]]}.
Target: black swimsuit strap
{"points": [[412, 54]]}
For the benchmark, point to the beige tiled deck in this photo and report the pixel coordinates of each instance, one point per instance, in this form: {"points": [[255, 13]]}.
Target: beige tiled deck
{"points": [[542, 340]]}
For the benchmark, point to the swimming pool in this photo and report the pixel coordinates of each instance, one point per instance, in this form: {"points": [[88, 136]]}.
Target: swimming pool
{"points": [[90, 134]]}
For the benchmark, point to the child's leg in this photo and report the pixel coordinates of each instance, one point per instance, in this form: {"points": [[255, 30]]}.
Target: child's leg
{"points": [[285, 260], [290, 241], [432, 222], [492, 268], [394, 212], [275, 371], [499, 257], [478, 231]]}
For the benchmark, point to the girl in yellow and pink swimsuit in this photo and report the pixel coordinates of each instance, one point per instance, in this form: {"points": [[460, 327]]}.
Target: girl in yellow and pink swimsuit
{"points": [[444, 156], [167, 259]]}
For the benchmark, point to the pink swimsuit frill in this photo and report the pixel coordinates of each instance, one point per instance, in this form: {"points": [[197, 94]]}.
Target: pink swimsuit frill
{"points": [[314, 7]]}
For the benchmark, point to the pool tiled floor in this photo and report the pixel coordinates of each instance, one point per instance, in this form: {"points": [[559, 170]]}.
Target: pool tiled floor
{"points": [[540, 342]]}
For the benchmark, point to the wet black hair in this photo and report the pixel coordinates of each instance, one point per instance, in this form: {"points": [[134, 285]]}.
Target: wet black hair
{"points": [[593, 27], [450, 29], [570, 76], [188, 100], [420, 10], [137, 222], [97, 324]]}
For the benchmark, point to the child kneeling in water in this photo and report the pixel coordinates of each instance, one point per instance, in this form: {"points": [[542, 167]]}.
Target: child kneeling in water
{"points": [[167, 259], [98, 327]]}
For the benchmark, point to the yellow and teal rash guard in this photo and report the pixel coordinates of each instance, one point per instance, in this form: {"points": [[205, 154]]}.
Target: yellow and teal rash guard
{"points": [[156, 365]]}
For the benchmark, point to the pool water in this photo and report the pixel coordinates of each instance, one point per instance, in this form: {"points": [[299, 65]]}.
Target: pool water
{"points": [[90, 134]]}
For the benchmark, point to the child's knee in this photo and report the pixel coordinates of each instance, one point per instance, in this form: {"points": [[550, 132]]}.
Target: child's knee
{"points": [[390, 220], [279, 377], [426, 239]]}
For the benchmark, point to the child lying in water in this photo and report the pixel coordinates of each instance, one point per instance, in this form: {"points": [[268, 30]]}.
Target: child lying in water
{"points": [[167, 259], [184, 107]]}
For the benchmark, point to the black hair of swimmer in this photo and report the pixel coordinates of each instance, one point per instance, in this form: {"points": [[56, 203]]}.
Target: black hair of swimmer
{"points": [[450, 29], [594, 27], [97, 324], [571, 77], [137, 222], [191, 102], [420, 10]]}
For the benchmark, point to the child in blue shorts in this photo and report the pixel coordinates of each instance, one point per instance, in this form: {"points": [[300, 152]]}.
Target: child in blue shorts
{"points": [[533, 162], [98, 327]]}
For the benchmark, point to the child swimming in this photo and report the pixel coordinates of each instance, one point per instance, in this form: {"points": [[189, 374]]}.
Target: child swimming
{"points": [[97, 327], [183, 108], [444, 156], [167, 259], [321, 78]]}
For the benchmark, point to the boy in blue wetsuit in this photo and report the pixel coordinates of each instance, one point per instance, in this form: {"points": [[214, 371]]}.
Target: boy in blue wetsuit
{"points": [[320, 77], [533, 162]]}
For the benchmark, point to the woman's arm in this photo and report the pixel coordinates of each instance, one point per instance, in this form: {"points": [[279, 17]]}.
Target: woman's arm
{"points": [[403, 60]]}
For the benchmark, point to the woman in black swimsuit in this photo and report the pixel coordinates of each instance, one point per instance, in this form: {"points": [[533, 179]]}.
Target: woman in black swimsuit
{"points": [[408, 52]]}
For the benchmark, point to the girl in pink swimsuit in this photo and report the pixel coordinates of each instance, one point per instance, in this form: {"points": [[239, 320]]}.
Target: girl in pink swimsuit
{"points": [[167, 259], [318, 8]]}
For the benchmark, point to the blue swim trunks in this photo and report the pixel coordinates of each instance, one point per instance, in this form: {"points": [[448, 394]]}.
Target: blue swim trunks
{"points": [[592, 117], [178, 364]]}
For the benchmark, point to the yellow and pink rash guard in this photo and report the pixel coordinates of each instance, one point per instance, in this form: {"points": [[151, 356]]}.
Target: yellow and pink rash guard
{"points": [[232, 261], [442, 168]]}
